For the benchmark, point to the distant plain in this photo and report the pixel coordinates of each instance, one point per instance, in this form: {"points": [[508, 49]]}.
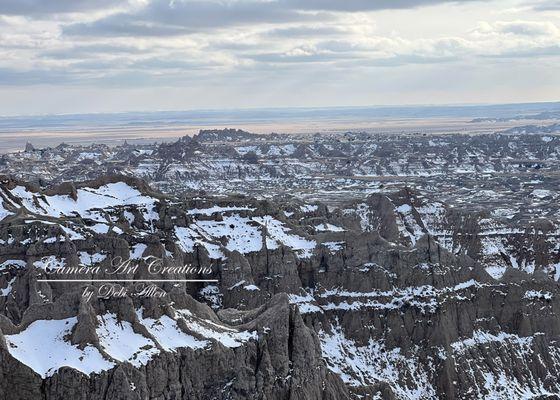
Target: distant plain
{"points": [[137, 127]]}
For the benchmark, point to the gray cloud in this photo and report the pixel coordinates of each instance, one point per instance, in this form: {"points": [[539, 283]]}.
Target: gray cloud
{"points": [[124, 25], [98, 74], [547, 5], [12, 77], [216, 12], [219, 48], [298, 58], [352, 59], [526, 28], [362, 5], [174, 63], [89, 51], [304, 31], [165, 18], [41, 7], [411, 59], [545, 51]]}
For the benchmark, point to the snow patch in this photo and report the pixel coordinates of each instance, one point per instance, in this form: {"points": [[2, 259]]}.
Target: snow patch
{"points": [[41, 346]]}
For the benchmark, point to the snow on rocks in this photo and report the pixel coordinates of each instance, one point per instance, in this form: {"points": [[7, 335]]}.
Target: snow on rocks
{"points": [[168, 334], [227, 336], [137, 251], [326, 227], [242, 234], [7, 290], [87, 201], [49, 263], [305, 303], [44, 345], [118, 339], [480, 338], [309, 208], [43, 348], [187, 238], [12, 264], [333, 246], [212, 294], [496, 271], [91, 259], [374, 363], [3, 212], [279, 233], [217, 209], [537, 295], [407, 225]]}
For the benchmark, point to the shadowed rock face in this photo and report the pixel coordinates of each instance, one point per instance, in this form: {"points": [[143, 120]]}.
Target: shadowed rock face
{"points": [[513, 172], [281, 360], [394, 296]]}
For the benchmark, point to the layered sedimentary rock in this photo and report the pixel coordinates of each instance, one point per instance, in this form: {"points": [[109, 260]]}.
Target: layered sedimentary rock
{"points": [[392, 296]]}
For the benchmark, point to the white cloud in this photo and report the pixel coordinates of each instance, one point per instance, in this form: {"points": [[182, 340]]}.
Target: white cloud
{"points": [[153, 44]]}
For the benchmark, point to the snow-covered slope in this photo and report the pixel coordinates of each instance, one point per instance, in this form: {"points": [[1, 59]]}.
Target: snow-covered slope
{"points": [[392, 295]]}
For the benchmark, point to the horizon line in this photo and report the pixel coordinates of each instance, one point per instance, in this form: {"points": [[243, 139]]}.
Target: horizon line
{"points": [[238, 109]]}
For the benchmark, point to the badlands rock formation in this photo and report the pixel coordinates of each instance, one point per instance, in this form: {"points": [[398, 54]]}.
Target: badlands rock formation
{"points": [[395, 295]]}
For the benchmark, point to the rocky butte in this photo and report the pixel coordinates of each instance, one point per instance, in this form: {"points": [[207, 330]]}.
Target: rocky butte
{"points": [[357, 266]]}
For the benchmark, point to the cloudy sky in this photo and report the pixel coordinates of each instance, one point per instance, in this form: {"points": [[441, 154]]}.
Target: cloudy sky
{"points": [[67, 56]]}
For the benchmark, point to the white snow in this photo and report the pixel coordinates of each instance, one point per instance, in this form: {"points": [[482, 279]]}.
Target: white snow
{"points": [[137, 251], [326, 227], [229, 337], [278, 233], [217, 209], [91, 259], [13, 263], [541, 193], [100, 228], [42, 347], [242, 235], [308, 208], [363, 212], [480, 337], [88, 199], [188, 238], [214, 251], [3, 212], [333, 246], [405, 208], [504, 213], [72, 234], [304, 303], [407, 225], [372, 363], [6, 291], [213, 295], [49, 263], [537, 294], [168, 334], [120, 341], [496, 271]]}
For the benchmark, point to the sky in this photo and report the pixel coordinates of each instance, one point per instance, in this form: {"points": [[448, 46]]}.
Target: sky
{"points": [[75, 56]]}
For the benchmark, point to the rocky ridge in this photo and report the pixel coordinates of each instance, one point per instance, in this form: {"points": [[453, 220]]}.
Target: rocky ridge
{"points": [[391, 296]]}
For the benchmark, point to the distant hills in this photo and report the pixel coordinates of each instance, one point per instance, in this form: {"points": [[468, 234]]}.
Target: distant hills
{"points": [[479, 113]]}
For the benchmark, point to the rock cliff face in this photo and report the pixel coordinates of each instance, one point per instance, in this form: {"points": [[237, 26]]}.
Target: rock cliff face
{"points": [[513, 172], [394, 296]]}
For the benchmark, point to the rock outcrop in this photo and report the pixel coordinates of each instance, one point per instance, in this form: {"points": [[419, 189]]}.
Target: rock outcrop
{"points": [[392, 297]]}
